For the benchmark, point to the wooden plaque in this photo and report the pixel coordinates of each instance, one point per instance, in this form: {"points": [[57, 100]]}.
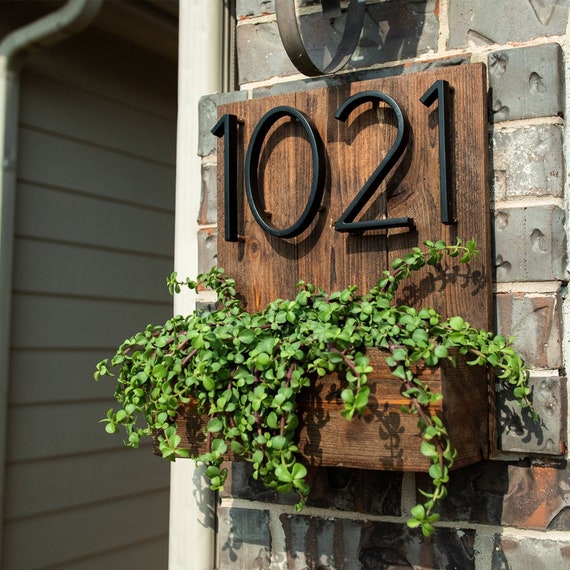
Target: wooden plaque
{"points": [[266, 266]]}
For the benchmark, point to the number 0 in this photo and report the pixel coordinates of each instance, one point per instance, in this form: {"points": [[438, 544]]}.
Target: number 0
{"points": [[252, 179]]}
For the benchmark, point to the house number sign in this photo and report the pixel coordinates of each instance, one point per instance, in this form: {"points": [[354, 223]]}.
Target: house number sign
{"points": [[328, 185], [228, 126]]}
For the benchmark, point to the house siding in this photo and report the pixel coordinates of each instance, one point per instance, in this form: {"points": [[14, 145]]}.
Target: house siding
{"points": [[94, 240]]}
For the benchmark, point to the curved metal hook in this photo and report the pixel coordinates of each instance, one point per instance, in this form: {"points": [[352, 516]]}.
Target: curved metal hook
{"points": [[288, 25]]}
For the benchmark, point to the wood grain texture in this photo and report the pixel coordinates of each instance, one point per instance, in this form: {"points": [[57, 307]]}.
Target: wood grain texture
{"points": [[266, 267], [384, 438]]}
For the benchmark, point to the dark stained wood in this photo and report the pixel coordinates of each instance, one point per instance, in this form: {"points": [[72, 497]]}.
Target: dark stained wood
{"points": [[266, 267], [384, 438]]}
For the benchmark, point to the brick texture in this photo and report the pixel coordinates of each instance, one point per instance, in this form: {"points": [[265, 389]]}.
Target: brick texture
{"points": [[367, 492], [526, 82], [530, 244], [472, 22], [528, 161], [324, 544], [519, 432], [534, 320], [536, 495], [511, 512], [524, 553]]}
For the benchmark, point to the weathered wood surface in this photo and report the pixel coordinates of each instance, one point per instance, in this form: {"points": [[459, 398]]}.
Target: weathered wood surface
{"points": [[266, 267], [384, 438]]}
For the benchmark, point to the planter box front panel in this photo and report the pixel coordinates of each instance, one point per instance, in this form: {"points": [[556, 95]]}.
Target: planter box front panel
{"points": [[384, 438]]}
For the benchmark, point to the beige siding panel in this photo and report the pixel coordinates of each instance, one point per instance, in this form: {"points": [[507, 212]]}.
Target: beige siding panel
{"points": [[150, 555], [54, 268], [48, 376], [62, 486], [57, 322], [58, 430], [113, 124], [47, 541], [47, 160], [95, 240], [73, 218], [118, 72]]}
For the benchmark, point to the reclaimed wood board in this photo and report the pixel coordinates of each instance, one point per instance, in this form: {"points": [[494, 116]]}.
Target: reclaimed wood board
{"points": [[384, 438], [266, 267]]}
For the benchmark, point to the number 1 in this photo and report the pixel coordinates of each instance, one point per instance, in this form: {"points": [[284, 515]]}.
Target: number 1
{"points": [[440, 91]]}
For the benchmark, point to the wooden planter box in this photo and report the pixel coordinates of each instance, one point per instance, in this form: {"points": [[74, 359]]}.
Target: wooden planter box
{"points": [[384, 438]]}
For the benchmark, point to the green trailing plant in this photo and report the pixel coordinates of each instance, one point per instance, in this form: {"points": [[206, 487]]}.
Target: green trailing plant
{"points": [[245, 370]]}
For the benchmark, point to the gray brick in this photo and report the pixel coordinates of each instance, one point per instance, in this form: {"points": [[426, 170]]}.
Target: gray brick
{"points": [[209, 197], [252, 8], [480, 23], [207, 249], [260, 53], [530, 244], [313, 542], [396, 31], [244, 539], [208, 117], [391, 31], [517, 430], [320, 544], [369, 492], [385, 545], [526, 82], [528, 161], [475, 493], [535, 321], [527, 553]]}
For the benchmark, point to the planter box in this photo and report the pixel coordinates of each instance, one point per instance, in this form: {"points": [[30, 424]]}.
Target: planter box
{"points": [[384, 438]]}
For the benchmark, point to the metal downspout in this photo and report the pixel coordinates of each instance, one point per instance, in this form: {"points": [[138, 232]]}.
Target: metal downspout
{"points": [[192, 504], [14, 48]]}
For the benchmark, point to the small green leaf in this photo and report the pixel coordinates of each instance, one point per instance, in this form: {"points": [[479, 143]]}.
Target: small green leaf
{"points": [[428, 449], [278, 442], [456, 323], [215, 425], [418, 512], [282, 473]]}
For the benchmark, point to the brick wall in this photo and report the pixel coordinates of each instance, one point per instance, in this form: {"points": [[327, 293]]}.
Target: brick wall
{"points": [[511, 512]]}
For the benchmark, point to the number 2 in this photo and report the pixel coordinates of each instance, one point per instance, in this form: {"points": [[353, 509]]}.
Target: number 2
{"points": [[346, 222]]}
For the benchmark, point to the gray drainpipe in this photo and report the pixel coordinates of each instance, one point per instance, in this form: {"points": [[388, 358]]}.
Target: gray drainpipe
{"points": [[14, 48]]}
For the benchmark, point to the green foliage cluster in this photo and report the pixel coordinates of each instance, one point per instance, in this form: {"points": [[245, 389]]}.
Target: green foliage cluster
{"points": [[245, 370]]}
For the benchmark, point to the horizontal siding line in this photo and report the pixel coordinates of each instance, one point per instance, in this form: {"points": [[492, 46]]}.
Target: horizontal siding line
{"points": [[107, 401], [100, 553], [86, 505], [90, 144], [96, 298], [87, 349], [87, 245], [66, 85], [110, 350], [144, 447], [100, 197]]}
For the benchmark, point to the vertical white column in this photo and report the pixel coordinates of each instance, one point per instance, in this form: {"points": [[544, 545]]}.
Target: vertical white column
{"points": [[192, 509]]}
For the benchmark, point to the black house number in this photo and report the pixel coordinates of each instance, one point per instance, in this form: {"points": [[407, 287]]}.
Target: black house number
{"points": [[228, 126]]}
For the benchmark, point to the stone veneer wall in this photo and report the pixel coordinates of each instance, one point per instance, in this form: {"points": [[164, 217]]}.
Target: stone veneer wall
{"points": [[511, 512]]}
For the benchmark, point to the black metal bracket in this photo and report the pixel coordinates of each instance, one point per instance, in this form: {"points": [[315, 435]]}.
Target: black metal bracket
{"points": [[288, 25]]}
